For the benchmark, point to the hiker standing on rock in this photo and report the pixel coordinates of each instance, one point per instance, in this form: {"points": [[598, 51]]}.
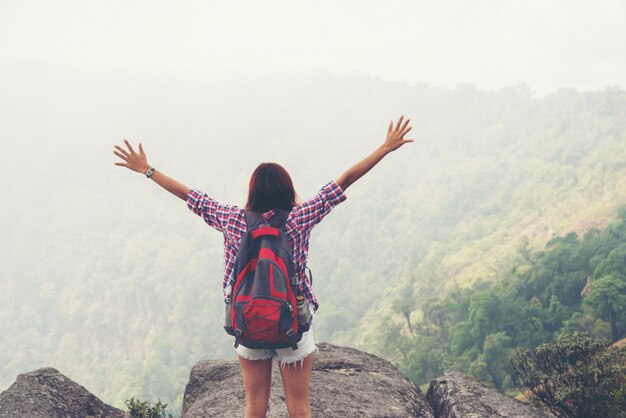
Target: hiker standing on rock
{"points": [[270, 301]]}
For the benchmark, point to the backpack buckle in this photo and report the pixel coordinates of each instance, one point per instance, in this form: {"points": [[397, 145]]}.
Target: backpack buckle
{"points": [[238, 334], [295, 280], [291, 334]]}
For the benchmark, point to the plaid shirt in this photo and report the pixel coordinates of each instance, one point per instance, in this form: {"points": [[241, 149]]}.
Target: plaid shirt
{"points": [[230, 220]]}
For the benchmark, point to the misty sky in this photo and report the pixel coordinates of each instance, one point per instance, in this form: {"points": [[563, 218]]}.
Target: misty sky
{"points": [[491, 43]]}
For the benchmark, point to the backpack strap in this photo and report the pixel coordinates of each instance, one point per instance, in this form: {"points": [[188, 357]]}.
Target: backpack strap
{"points": [[310, 274], [279, 218], [258, 227], [253, 219]]}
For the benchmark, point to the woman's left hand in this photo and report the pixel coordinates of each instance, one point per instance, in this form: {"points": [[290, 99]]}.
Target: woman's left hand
{"points": [[135, 161]]}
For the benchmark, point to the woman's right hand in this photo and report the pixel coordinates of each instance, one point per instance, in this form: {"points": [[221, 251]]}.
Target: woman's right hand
{"points": [[395, 137], [135, 161]]}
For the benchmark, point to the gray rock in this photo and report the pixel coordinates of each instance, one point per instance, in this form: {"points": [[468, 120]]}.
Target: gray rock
{"points": [[47, 393], [456, 395], [344, 383]]}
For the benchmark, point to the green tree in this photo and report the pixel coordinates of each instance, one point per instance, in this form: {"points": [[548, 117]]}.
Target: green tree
{"points": [[484, 311], [426, 360], [607, 299], [480, 370], [461, 338], [496, 350]]}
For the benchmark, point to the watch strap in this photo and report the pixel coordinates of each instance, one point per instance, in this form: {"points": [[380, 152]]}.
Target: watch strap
{"points": [[150, 172]]}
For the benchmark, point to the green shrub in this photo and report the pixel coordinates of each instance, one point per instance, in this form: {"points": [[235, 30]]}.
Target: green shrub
{"points": [[575, 376], [140, 409]]}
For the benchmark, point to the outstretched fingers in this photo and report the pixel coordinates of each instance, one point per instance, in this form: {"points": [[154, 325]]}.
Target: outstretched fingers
{"points": [[406, 122], [122, 156], [120, 150], [133, 160], [395, 136], [132, 151], [399, 122]]}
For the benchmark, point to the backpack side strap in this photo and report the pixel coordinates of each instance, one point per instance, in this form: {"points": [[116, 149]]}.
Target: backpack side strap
{"points": [[291, 334]]}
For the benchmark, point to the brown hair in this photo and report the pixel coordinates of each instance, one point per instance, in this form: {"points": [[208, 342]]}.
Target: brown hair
{"points": [[270, 188]]}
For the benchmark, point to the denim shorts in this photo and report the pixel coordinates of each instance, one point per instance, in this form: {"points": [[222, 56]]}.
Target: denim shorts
{"points": [[285, 356]]}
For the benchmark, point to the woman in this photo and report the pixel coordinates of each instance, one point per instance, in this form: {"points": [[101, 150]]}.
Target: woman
{"points": [[271, 188]]}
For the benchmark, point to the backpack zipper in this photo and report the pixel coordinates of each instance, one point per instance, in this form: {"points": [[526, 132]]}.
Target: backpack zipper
{"points": [[282, 302]]}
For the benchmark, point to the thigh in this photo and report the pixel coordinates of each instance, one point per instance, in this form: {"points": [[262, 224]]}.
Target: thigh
{"points": [[257, 378], [295, 369], [296, 378]]}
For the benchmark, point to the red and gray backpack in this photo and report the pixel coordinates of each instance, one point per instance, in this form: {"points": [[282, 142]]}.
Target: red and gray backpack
{"points": [[261, 311]]}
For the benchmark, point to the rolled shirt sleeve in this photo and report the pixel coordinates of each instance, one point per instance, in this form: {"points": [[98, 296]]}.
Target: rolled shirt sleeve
{"points": [[215, 214], [311, 212]]}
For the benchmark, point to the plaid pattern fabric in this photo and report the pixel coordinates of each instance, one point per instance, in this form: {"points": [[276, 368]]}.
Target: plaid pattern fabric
{"points": [[230, 221]]}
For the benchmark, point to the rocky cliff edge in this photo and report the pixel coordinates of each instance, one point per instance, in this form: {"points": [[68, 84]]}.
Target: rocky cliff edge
{"points": [[344, 383]]}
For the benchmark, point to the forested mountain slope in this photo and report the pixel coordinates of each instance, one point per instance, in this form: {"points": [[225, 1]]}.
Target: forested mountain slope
{"points": [[108, 277], [575, 284]]}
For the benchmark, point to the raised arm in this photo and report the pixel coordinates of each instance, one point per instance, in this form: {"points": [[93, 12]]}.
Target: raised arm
{"points": [[395, 139], [137, 161]]}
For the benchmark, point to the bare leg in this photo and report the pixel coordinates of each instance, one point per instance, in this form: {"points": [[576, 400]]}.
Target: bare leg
{"points": [[257, 378], [296, 379]]}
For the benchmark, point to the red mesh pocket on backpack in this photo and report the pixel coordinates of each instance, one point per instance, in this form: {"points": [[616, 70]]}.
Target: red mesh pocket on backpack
{"points": [[262, 317]]}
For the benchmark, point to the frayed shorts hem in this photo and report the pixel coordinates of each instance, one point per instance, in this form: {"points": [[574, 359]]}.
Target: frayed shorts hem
{"points": [[285, 362], [285, 356]]}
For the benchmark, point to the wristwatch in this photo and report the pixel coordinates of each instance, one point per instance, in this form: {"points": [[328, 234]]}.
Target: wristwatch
{"points": [[150, 172]]}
